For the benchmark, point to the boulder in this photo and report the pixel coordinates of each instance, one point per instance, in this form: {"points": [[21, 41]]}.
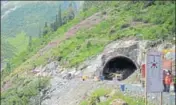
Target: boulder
{"points": [[103, 99], [78, 73], [37, 70], [73, 71], [67, 76], [112, 93], [51, 68], [118, 102]]}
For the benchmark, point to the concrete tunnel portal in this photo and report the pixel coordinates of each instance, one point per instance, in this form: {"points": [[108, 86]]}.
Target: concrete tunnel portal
{"points": [[119, 65]]}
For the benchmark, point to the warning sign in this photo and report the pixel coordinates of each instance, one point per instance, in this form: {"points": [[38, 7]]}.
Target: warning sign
{"points": [[154, 72]]}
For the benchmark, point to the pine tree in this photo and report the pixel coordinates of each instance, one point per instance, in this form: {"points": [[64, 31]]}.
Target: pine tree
{"points": [[40, 32], [52, 26], [55, 26], [64, 20], [71, 13], [8, 67], [45, 31], [30, 43], [56, 21], [60, 16], [46, 25]]}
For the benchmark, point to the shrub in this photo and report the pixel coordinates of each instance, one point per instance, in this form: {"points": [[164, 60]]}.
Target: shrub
{"points": [[125, 26], [27, 88]]}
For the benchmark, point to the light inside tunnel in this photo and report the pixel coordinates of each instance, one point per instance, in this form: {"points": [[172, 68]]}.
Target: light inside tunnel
{"points": [[120, 66]]}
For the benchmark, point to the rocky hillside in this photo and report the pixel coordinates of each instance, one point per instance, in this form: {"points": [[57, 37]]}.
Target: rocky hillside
{"points": [[77, 47]]}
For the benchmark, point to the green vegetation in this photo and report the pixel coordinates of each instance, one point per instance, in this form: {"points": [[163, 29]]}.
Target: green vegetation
{"points": [[20, 42], [95, 95], [26, 45], [21, 63], [87, 43], [30, 17], [7, 50], [41, 42], [22, 89], [94, 98], [27, 18]]}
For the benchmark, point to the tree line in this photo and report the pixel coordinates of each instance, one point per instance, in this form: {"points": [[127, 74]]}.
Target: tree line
{"points": [[60, 20]]}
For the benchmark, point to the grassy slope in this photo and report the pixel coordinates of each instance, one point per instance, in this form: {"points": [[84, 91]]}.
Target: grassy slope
{"points": [[7, 50], [120, 15], [20, 42], [29, 16], [113, 28], [117, 95]]}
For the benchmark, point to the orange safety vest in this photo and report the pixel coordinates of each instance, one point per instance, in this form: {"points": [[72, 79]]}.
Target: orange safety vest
{"points": [[168, 80]]}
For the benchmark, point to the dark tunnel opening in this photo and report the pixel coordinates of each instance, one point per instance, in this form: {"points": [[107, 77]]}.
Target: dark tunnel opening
{"points": [[120, 67]]}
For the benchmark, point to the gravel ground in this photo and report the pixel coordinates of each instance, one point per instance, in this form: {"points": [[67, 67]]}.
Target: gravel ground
{"points": [[68, 92], [138, 91], [168, 98], [71, 92]]}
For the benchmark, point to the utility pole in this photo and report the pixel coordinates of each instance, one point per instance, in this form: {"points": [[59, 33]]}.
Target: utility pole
{"points": [[161, 98], [145, 79]]}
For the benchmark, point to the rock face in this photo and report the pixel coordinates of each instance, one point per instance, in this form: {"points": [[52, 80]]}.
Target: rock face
{"points": [[123, 48], [131, 48], [48, 70], [103, 99], [91, 66], [120, 51]]}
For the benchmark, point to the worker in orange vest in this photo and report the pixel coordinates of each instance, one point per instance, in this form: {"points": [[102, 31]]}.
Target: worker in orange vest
{"points": [[164, 76], [168, 81]]}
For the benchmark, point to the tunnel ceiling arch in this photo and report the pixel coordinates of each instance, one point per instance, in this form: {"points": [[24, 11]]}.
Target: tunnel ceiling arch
{"points": [[119, 66]]}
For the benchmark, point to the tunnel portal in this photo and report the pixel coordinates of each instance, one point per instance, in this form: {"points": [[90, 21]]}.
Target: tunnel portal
{"points": [[120, 66]]}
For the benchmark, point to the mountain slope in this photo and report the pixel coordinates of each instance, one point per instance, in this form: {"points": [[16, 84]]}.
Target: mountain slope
{"points": [[7, 52], [28, 17], [124, 19]]}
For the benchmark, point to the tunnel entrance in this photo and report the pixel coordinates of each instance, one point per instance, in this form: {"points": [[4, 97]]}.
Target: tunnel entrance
{"points": [[120, 66]]}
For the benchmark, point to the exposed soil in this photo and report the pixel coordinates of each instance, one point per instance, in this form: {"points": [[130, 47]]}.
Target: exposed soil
{"points": [[85, 24]]}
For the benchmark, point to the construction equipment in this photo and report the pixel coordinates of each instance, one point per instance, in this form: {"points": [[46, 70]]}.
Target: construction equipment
{"points": [[117, 75], [84, 77]]}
